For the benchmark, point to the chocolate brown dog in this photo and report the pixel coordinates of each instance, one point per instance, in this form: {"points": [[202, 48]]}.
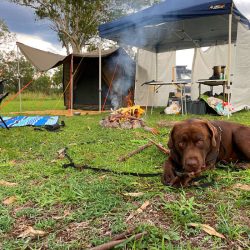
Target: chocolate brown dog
{"points": [[197, 145]]}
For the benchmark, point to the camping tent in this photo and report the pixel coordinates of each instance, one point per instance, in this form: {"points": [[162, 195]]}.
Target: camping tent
{"points": [[177, 24], [118, 73], [83, 86]]}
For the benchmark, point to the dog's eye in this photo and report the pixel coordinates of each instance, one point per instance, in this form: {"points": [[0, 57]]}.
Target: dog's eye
{"points": [[181, 144], [199, 143]]}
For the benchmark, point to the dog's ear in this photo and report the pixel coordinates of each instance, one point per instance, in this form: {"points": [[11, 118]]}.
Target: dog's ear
{"points": [[171, 139], [213, 131]]}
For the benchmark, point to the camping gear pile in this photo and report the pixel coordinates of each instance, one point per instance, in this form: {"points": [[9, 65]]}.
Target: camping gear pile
{"points": [[221, 107], [127, 118]]}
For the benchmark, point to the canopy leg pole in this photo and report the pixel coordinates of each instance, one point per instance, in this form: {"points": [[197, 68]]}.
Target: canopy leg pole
{"points": [[71, 85], [19, 80], [229, 62], [147, 100], [100, 76], [156, 78]]}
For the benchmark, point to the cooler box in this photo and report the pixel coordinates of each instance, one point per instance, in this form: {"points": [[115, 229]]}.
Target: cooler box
{"points": [[197, 107]]}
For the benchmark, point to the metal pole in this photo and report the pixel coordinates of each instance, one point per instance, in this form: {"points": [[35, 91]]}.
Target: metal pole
{"points": [[19, 81], [71, 83], [229, 59], [100, 76], [156, 78]]}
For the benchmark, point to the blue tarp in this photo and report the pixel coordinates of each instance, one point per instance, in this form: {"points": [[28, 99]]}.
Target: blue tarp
{"points": [[176, 24]]}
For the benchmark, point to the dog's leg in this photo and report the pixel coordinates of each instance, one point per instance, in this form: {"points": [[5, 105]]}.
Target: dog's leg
{"points": [[169, 178], [241, 140]]}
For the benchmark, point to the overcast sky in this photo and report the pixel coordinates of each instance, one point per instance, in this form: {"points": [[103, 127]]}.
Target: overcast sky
{"points": [[21, 20]]}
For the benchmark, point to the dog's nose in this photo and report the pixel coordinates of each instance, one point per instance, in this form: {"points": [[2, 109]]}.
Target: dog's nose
{"points": [[191, 164]]}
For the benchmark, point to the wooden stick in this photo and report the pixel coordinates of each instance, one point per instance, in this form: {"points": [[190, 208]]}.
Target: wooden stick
{"points": [[124, 234], [159, 146], [138, 150], [111, 244], [151, 130]]}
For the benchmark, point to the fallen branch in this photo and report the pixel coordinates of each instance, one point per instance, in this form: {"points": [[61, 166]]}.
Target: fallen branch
{"points": [[124, 235], [154, 131], [136, 151], [159, 146], [111, 244]]}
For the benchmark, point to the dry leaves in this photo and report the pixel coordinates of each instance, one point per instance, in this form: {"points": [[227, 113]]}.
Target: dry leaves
{"points": [[65, 214], [139, 210], [9, 200], [208, 229], [61, 153], [32, 233], [244, 187], [134, 194], [7, 184]]}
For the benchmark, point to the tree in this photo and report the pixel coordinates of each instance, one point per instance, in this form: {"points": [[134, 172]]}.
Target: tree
{"points": [[76, 22], [8, 65], [57, 78], [42, 84], [5, 35]]}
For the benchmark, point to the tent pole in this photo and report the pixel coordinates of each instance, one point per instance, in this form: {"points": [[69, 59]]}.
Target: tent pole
{"points": [[229, 60], [19, 80], [71, 84], [100, 76]]}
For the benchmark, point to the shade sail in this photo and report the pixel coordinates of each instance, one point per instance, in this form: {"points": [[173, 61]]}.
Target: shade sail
{"points": [[176, 24], [42, 60]]}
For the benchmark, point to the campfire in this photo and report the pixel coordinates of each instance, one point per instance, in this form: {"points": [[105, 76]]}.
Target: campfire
{"points": [[127, 118]]}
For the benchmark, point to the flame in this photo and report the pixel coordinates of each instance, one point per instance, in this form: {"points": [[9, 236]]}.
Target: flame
{"points": [[129, 98], [135, 111]]}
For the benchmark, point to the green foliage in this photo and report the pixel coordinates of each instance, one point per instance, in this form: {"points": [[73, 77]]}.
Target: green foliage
{"points": [[226, 226], [6, 221], [77, 208], [184, 209], [57, 78], [41, 84], [120, 8], [5, 35], [74, 21], [9, 66]]}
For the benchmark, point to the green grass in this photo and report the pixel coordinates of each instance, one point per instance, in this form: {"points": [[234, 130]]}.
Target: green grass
{"points": [[80, 209]]}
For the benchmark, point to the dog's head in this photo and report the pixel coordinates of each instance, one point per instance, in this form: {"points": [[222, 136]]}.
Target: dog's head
{"points": [[193, 143]]}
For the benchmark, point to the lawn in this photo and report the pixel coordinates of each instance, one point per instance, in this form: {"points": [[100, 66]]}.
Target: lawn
{"points": [[76, 209]]}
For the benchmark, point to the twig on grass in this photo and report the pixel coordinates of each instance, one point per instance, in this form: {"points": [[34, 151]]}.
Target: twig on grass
{"points": [[113, 243], [159, 146], [136, 151]]}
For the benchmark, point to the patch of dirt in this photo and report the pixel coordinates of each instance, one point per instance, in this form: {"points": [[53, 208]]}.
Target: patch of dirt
{"points": [[59, 112], [168, 124], [74, 231]]}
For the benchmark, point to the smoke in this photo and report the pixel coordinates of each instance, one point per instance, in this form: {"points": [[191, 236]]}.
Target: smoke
{"points": [[123, 79]]}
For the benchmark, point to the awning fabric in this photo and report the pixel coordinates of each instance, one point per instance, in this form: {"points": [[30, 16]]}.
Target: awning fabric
{"points": [[42, 60], [176, 24]]}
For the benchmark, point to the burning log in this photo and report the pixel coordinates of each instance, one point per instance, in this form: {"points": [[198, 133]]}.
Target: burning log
{"points": [[136, 151], [127, 118]]}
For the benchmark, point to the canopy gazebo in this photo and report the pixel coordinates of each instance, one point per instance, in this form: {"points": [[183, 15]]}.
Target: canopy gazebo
{"points": [[176, 24]]}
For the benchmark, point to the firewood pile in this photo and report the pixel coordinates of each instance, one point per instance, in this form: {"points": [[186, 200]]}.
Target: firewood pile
{"points": [[127, 118]]}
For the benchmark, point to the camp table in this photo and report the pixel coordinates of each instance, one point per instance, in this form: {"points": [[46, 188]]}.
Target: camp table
{"points": [[212, 83], [179, 84]]}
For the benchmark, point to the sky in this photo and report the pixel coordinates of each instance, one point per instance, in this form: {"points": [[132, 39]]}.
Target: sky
{"points": [[37, 33]]}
